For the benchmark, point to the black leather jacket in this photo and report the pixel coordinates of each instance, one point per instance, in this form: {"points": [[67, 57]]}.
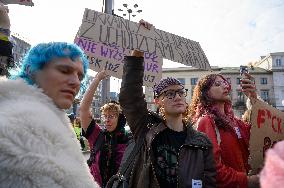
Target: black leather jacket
{"points": [[195, 158]]}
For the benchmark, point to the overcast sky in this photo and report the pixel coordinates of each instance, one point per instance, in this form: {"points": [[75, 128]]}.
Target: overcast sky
{"points": [[231, 32]]}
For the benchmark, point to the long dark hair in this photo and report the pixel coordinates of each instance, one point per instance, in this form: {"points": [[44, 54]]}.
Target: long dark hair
{"points": [[202, 103]]}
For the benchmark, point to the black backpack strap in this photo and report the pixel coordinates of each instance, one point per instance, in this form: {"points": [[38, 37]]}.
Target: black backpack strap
{"points": [[125, 169], [121, 178], [96, 147]]}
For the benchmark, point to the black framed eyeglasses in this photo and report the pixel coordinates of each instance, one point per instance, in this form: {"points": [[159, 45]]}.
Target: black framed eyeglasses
{"points": [[170, 94]]}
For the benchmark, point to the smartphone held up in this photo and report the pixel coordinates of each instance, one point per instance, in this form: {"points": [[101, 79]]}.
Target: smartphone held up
{"points": [[243, 70]]}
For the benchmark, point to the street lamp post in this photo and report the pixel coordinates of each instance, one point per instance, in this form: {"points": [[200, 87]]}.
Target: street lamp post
{"points": [[106, 82], [131, 11]]}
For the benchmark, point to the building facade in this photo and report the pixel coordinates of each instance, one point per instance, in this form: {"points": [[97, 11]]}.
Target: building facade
{"points": [[274, 62], [113, 96], [21, 47]]}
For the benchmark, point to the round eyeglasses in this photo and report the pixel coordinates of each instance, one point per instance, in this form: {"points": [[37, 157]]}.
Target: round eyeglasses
{"points": [[105, 117], [170, 94]]}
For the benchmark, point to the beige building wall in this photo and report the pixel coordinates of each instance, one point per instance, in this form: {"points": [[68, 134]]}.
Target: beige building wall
{"points": [[275, 63]]}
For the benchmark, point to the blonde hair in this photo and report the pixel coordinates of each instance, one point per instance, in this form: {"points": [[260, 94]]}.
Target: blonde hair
{"points": [[111, 107]]}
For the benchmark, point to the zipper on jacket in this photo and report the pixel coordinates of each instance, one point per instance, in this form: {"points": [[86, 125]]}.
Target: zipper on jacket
{"points": [[151, 163], [131, 173], [154, 173], [178, 163]]}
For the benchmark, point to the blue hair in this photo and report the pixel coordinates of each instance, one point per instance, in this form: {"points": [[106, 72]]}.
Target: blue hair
{"points": [[43, 53]]}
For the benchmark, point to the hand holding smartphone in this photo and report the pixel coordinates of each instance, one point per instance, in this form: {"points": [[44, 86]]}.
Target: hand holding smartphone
{"points": [[247, 83], [243, 70]]}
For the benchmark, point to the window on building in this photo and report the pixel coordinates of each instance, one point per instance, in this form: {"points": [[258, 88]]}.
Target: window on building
{"points": [[278, 63], [264, 95], [193, 81], [240, 96], [238, 81], [263, 80], [182, 80]]}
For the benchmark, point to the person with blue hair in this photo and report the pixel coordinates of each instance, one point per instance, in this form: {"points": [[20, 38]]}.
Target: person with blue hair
{"points": [[38, 145]]}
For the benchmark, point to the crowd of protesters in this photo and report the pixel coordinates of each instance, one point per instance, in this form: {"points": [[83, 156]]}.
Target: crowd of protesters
{"points": [[196, 144]]}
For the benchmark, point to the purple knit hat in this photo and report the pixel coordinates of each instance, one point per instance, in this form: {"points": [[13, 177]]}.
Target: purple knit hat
{"points": [[165, 83]]}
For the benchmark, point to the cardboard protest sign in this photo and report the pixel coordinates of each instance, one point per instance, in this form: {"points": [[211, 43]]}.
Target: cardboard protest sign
{"points": [[110, 58], [267, 129], [109, 29], [20, 2]]}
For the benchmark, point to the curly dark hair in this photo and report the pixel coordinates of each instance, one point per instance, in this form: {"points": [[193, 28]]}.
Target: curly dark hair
{"points": [[201, 103]]}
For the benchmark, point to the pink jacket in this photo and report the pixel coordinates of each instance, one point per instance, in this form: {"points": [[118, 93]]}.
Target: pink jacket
{"points": [[91, 135], [272, 175]]}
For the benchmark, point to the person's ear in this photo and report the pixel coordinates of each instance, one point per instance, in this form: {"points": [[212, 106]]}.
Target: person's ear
{"points": [[158, 102]]}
